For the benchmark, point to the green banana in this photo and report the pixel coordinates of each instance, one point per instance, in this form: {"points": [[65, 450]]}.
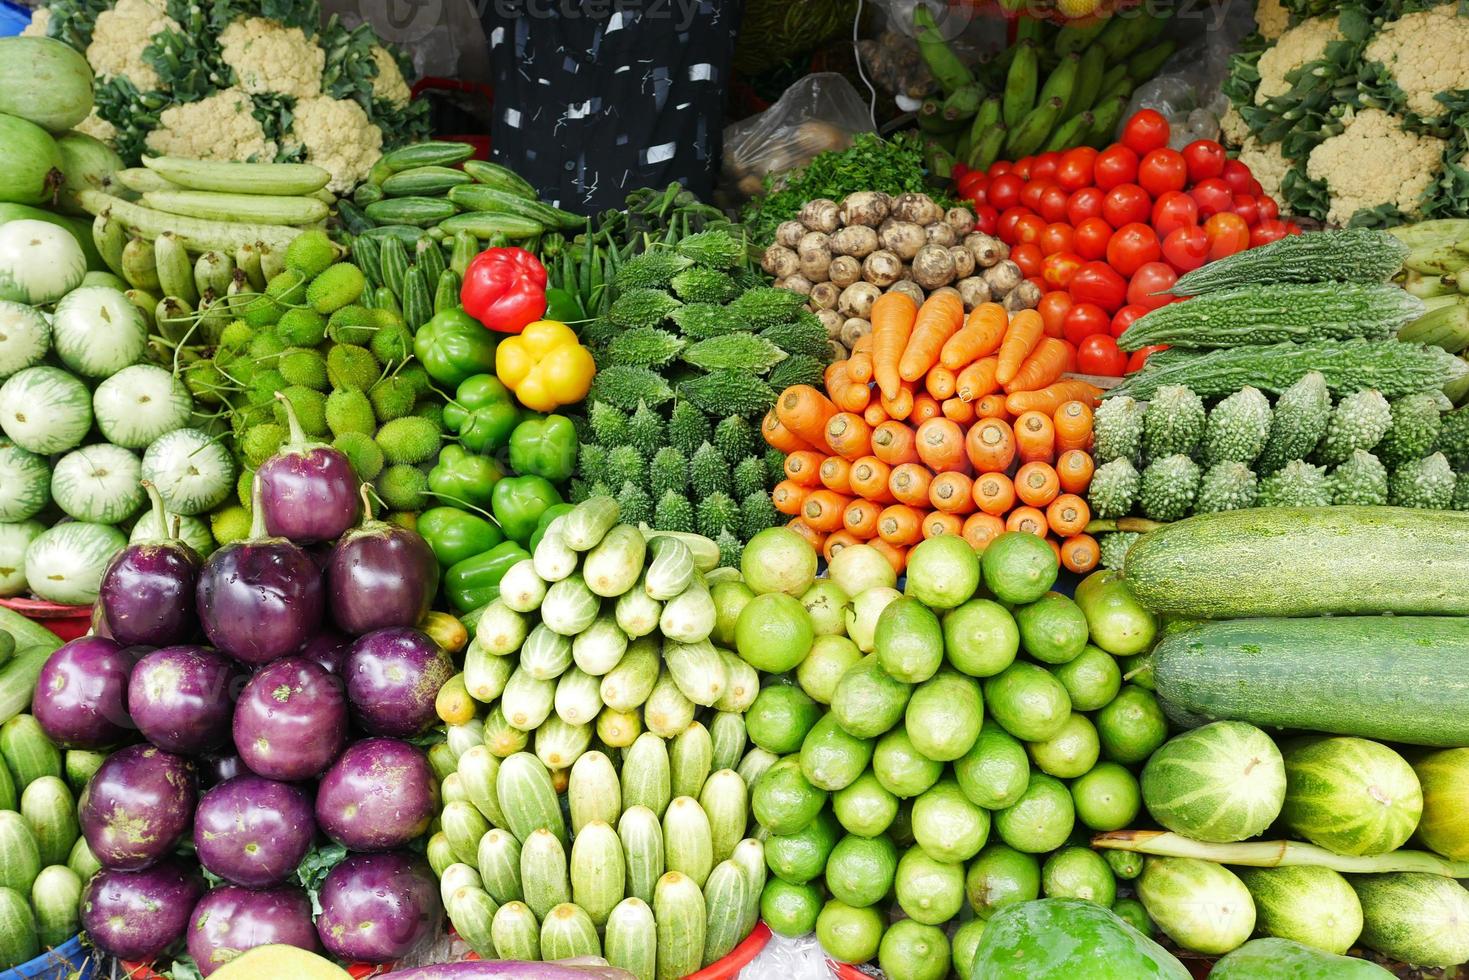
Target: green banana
{"points": [[984, 119], [1128, 31], [1061, 82], [1110, 78], [1026, 138], [1123, 87], [945, 66], [1088, 80], [213, 272], [1104, 120], [1021, 83], [1078, 38], [1070, 133], [1145, 63], [963, 103], [987, 150]]}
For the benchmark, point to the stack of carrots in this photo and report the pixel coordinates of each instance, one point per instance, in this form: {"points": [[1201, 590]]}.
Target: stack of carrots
{"points": [[940, 424]]}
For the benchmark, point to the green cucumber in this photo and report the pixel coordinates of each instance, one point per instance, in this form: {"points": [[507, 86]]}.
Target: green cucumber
{"points": [[593, 791], [642, 850], [28, 752], [419, 211], [472, 912], [631, 941], [20, 859], [483, 224], [689, 758], [725, 800], [567, 931], [598, 874], [478, 769], [498, 859], [49, 809], [727, 732], [688, 845], [424, 181], [726, 896], [18, 940], [516, 934], [503, 178], [430, 154], [647, 774], [483, 198], [544, 876], [464, 826], [56, 897], [523, 787], [678, 909]]}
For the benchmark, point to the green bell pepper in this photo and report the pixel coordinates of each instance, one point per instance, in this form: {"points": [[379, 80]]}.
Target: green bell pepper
{"points": [[455, 534], [563, 305], [518, 503], [547, 516], [483, 412], [473, 582], [544, 447], [453, 346], [462, 476]]}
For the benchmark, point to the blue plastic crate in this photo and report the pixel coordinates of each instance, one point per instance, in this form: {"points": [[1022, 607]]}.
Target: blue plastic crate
{"points": [[69, 959], [13, 18]]}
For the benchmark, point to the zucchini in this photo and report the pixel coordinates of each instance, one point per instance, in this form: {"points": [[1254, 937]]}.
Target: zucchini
{"points": [[502, 178], [1304, 562], [1357, 255], [1397, 679], [424, 181], [1271, 314], [420, 211]]}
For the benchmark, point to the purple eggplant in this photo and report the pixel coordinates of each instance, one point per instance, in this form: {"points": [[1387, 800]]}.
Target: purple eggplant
{"points": [[253, 831], [291, 720], [182, 698], [510, 970], [215, 769], [381, 575], [147, 593], [136, 915], [378, 907], [379, 795], [393, 676], [81, 697], [261, 598], [307, 491], [137, 807], [230, 920], [328, 648]]}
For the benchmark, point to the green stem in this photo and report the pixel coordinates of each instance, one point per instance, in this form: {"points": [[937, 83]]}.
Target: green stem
{"points": [[1140, 525], [1278, 854], [297, 434]]}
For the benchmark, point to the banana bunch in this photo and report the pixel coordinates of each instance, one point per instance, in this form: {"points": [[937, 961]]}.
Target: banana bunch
{"points": [[1053, 89], [1436, 270]]}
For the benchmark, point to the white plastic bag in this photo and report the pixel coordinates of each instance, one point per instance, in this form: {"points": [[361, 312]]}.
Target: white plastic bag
{"points": [[788, 959], [820, 112]]}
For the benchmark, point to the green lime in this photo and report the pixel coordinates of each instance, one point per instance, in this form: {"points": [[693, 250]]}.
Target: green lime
{"points": [[965, 944], [867, 702], [783, 800], [929, 891], [865, 808], [1131, 911], [802, 856], [830, 758], [1124, 864], [780, 717], [1027, 701], [773, 632], [827, 605], [1001, 876], [790, 910], [947, 826], [1078, 872], [829, 658], [914, 951], [981, 637], [901, 768], [730, 599], [1131, 726], [909, 641], [1052, 629], [1019, 567], [1041, 819], [847, 934], [996, 770], [1091, 680], [944, 715], [778, 560], [942, 572], [1107, 798], [1069, 753], [860, 870]]}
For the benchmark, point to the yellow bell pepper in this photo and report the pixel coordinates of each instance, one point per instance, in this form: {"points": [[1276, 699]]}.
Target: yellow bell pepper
{"points": [[545, 365]]}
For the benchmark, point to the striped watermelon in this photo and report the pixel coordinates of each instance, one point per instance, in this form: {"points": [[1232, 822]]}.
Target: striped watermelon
{"points": [[1222, 782], [1351, 795]]}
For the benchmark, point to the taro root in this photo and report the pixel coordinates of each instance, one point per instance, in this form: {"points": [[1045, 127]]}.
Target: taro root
{"points": [[796, 284], [821, 214], [961, 220], [865, 208], [882, 268], [974, 290], [854, 330], [832, 321], [933, 267], [903, 239], [1025, 296], [788, 233], [780, 261], [917, 208], [909, 288], [857, 240], [824, 296], [844, 270], [1002, 277], [987, 249], [940, 233], [963, 261], [857, 299]]}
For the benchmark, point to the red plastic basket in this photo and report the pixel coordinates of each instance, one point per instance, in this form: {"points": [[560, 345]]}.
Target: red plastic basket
{"points": [[480, 141], [67, 622]]}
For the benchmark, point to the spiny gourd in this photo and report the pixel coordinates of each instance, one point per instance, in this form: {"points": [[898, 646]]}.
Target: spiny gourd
{"points": [[348, 410], [1296, 484], [409, 439], [1229, 485], [1169, 487], [403, 487]]}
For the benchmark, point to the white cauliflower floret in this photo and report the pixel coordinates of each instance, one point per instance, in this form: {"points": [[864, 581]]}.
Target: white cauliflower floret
{"points": [[389, 85], [339, 138], [40, 21], [219, 127], [1426, 53], [1271, 18], [1305, 42], [1375, 161], [97, 127], [268, 58], [1233, 127], [1265, 163], [121, 34]]}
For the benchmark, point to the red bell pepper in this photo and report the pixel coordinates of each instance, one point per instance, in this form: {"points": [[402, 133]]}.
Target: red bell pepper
{"points": [[504, 289]]}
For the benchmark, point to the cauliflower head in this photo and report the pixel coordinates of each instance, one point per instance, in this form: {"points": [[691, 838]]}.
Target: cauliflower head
{"points": [[270, 58], [1233, 126], [1271, 18], [40, 23], [389, 84], [218, 127], [121, 34], [1305, 42], [97, 127], [338, 137], [1266, 163], [1426, 53], [1375, 161]]}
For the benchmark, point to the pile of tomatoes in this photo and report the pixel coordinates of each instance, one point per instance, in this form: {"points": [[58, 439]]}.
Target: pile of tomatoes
{"points": [[1106, 233]]}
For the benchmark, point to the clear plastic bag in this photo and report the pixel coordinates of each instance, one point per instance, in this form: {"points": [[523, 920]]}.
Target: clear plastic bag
{"points": [[1189, 89], [818, 113], [789, 959]]}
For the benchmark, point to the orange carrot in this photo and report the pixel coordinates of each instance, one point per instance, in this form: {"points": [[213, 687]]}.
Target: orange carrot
{"points": [[1068, 514], [805, 411], [859, 365], [845, 393], [823, 510], [909, 484], [980, 337], [804, 467], [788, 496], [925, 407], [1025, 332], [1036, 483], [1053, 396], [980, 529], [848, 435], [952, 493], [990, 445], [836, 474], [896, 556], [938, 319], [940, 444], [836, 541], [994, 493], [991, 407], [1074, 471], [814, 537], [892, 319], [1027, 519], [1079, 553], [936, 522], [1073, 421], [1044, 366], [939, 382], [1035, 437], [900, 524], [978, 379], [900, 406], [1055, 547], [869, 479], [959, 410], [777, 436], [892, 442], [860, 518], [875, 414]]}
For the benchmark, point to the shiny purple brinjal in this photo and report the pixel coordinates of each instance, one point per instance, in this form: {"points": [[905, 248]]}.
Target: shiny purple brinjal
{"points": [[291, 720], [182, 698], [393, 677], [380, 575], [147, 592], [137, 807], [81, 697], [307, 491]]}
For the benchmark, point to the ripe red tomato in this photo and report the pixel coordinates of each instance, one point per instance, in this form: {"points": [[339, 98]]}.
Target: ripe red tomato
{"points": [[1059, 269], [1030, 196], [1090, 238], [1161, 171], [1006, 224], [1053, 308], [1000, 168], [1075, 169], [986, 218], [1237, 176], [1205, 159], [973, 183], [1099, 283], [1053, 203], [1140, 356], [1084, 203], [1174, 209], [1004, 191], [1267, 231], [1124, 319], [1247, 206], [1084, 320], [1028, 228], [1028, 256], [1268, 208], [1150, 284], [1098, 354], [1186, 248], [1125, 204], [1131, 246], [1045, 165], [1057, 237], [1213, 195], [1228, 234], [1115, 165], [1146, 130]]}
